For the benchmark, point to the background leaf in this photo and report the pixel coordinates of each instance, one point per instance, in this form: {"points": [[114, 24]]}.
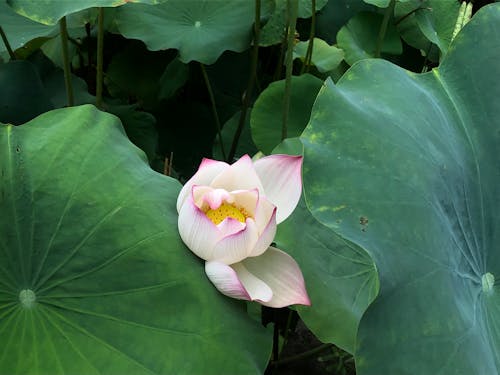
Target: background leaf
{"points": [[424, 24], [266, 116], [359, 40], [273, 31], [22, 96], [324, 56], [92, 232], [201, 30], [49, 12], [20, 30], [414, 160]]}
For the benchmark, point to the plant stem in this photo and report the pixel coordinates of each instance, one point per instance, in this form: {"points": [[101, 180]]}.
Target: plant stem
{"points": [[292, 7], [248, 92], [308, 57], [214, 109], [389, 11], [302, 355], [167, 166], [100, 58], [67, 67], [7, 44]]}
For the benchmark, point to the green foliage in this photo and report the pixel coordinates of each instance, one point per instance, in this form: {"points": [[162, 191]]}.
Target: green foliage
{"points": [[324, 57], [359, 42], [266, 120], [395, 231], [273, 31], [49, 12], [412, 160], [427, 24], [89, 232], [20, 29], [22, 96], [200, 30]]}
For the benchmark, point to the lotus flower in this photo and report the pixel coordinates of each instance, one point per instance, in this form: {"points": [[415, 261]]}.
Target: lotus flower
{"points": [[228, 216]]}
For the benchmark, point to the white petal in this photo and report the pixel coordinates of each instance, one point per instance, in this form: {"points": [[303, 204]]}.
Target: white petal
{"points": [[197, 230], [282, 181], [206, 173], [282, 274], [225, 280], [230, 226], [239, 176], [264, 212], [236, 282], [266, 236], [246, 199], [236, 247]]}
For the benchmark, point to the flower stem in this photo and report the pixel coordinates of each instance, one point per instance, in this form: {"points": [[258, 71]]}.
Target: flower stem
{"points": [[292, 7], [100, 58], [248, 92], [7, 44], [67, 67], [308, 57], [214, 109], [383, 27]]}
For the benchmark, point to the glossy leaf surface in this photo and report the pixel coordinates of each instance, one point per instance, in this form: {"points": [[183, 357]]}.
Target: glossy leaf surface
{"points": [[94, 278], [48, 12], [200, 30], [413, 162]]}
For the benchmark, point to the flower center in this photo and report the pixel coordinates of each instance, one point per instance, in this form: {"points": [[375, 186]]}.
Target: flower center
{"points": [[226, 210]]}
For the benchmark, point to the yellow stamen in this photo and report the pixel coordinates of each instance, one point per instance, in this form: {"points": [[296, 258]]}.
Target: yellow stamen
{"points": [[226, 210]]}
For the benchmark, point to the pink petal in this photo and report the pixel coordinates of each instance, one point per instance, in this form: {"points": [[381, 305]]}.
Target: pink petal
{"points": [[282, 180], [197, 230], [206, 173], [214, 197], [236, 247], [236, 282], [266, 236], [282, 274], [239, 176]]}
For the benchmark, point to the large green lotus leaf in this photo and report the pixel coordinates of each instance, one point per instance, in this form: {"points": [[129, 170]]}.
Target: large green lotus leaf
{"points": [[94, 278], [267, 113], [413, 159], [200, 29], [340, 277], [48, 12]]}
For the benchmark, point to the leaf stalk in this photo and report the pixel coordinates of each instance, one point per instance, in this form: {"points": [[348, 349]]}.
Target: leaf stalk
{"points": [[100, 58], [389, 11], [66, 64], [292, 7], [214, 109]]}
